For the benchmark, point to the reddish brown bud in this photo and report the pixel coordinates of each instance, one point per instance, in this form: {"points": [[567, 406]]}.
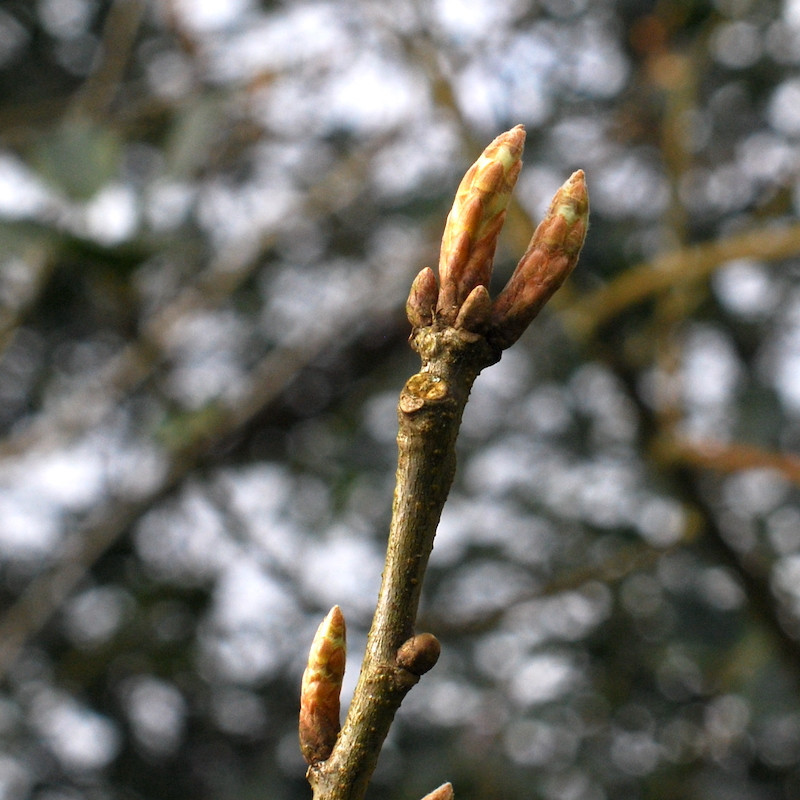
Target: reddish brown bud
{"points": [[419, 653], [474, 313], [474, 222], [321, 687], [444, 792], [551, 256], [421, 301]]}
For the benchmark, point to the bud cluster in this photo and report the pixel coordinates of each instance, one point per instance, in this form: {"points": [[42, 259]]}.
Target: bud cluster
{"points": [[461, 298]]}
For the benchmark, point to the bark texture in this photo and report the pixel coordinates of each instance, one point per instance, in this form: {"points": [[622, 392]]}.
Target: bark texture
{"points": [[429, 416]]}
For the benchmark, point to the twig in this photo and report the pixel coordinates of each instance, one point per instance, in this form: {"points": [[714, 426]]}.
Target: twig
{"points": [[458, 331]]}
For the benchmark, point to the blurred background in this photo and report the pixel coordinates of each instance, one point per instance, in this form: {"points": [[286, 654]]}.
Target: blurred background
{"points": [[210, 215]]}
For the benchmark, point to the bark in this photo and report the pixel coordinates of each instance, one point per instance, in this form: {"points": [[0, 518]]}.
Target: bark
{"points": [[429, 415]]}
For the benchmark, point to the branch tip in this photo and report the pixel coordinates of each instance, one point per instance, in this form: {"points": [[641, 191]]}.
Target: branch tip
{"points": [[458, 332], [473, 226]]}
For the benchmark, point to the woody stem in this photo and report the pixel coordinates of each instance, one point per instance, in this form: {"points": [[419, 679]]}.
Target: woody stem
{"points": [[429, 414]]}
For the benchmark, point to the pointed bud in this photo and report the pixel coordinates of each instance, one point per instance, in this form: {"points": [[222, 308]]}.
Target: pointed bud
{"points": [[321, 687], [474, 223], [421, 301], [444, 792], [551, 255], [419, 653], [474, 314]]}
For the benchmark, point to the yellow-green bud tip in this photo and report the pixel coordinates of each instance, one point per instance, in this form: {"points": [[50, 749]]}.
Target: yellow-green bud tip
{"points": [[572, 198]]}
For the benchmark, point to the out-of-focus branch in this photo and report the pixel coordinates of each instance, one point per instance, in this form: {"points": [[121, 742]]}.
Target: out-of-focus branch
{"points": [[42, 597], [751, 572], [133, 363], [680, 267], [119, 34], [726, 457], [139, 359], [613, 569], [679, 464]]}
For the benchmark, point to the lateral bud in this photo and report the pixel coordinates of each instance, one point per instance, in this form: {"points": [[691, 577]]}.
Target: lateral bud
{"points": [[474, 314], [321, 688], [444, 792], [419, 653], [422, 298], [551, 256]]}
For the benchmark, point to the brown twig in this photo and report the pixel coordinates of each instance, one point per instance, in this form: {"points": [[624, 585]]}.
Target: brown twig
{"points": [[430, 412], [458, 331]]}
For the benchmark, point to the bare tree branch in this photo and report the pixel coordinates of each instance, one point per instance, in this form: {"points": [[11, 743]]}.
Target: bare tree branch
{"points": [[458, 331]]}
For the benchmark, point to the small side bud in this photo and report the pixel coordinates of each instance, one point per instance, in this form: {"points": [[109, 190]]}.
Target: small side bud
{"points": [[475, 312], [419, 653], [474, 223], [321, 687], [444, 792], [551, 256], [422, 298]]}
